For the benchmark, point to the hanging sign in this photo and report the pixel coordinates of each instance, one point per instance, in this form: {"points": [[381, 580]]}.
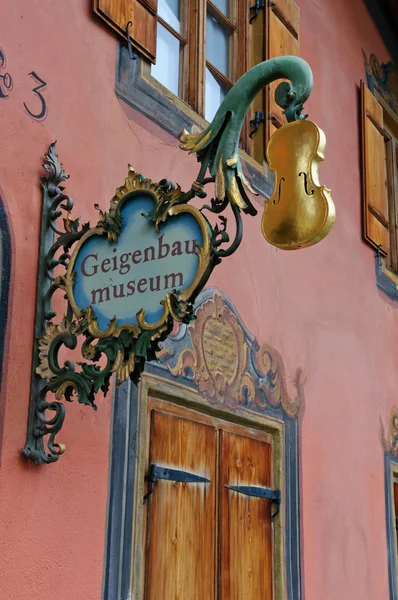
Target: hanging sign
{"points": [[141, 268]]}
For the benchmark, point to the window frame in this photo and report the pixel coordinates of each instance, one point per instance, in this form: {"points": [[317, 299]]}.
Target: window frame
{"points": [[124, 550], [194, 64]]}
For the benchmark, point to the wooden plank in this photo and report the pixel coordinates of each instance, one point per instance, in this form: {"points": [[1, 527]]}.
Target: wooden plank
{"points": [[246, 529], [374, 110], [375, 206], [194, 57], [287, 12], [282, 39], [181, 531], [142, 14], [242, 60]]}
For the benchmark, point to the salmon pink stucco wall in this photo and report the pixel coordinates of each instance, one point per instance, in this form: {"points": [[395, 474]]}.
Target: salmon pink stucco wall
{"points": [[319, 307]]}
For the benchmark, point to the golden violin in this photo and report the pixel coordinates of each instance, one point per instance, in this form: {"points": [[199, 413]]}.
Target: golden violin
{"points": [[300, 212]]}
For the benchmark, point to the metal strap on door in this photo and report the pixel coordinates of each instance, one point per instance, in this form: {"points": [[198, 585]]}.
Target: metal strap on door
{"points": [[156, 472], [260, 492]]}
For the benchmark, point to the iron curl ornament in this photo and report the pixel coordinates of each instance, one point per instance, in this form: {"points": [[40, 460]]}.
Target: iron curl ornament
{"points": [[89, 266]]}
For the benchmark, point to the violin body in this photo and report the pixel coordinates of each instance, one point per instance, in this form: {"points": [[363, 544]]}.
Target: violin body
{"points": [[300, 212]]}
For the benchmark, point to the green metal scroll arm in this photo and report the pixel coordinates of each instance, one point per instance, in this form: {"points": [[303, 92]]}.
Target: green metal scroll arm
{"points": [[217, 147]]}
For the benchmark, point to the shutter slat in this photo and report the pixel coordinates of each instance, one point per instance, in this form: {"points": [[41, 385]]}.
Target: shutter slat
{"points": [[142, 14], [181, 516], [246, 530], [283, 25], [289, 13], [375, 205]]}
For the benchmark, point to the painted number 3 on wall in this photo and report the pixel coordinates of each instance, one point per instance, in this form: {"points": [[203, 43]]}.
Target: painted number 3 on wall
{"points": [[36, 111]]}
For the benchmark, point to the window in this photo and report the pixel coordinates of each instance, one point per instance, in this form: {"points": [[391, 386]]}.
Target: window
{"points": [[380, 181], [193, 51], [177, 42]]}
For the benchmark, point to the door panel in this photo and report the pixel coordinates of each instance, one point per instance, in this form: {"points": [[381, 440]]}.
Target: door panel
{"points": [[246, 530], [181, 527]]}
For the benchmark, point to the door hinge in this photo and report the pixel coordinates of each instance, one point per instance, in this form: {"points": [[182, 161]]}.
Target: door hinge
{"points": [[156, 472], [256, 9], [260, 492], [259, 117]]}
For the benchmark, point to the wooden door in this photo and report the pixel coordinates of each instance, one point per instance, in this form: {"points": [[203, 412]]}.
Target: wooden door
{"points": [[205, 541], [181, 516], [245, 521]]}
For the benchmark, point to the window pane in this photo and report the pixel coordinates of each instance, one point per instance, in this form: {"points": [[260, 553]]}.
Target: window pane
{"points": [[169, 10], [222, 5], [167, 66], [215, 94], [217, 45]]}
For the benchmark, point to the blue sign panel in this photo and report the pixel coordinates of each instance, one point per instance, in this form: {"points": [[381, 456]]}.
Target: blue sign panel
{"points": [[118, 279]]}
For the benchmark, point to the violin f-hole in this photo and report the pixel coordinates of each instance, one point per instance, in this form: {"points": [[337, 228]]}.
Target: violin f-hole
{"points": [[278, 199], [311, 192]]}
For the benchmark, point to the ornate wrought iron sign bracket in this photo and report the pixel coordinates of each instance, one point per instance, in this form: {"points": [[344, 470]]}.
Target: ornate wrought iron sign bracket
{"points": [[126, 280]]}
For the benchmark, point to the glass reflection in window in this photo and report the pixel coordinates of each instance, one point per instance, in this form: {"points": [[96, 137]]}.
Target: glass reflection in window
{"points": [[215, 94], [167, 67]]}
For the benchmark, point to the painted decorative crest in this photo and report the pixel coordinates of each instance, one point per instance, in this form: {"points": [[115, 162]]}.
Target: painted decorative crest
{"points": [[226, 364], [218, 358], [389, 441]]}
